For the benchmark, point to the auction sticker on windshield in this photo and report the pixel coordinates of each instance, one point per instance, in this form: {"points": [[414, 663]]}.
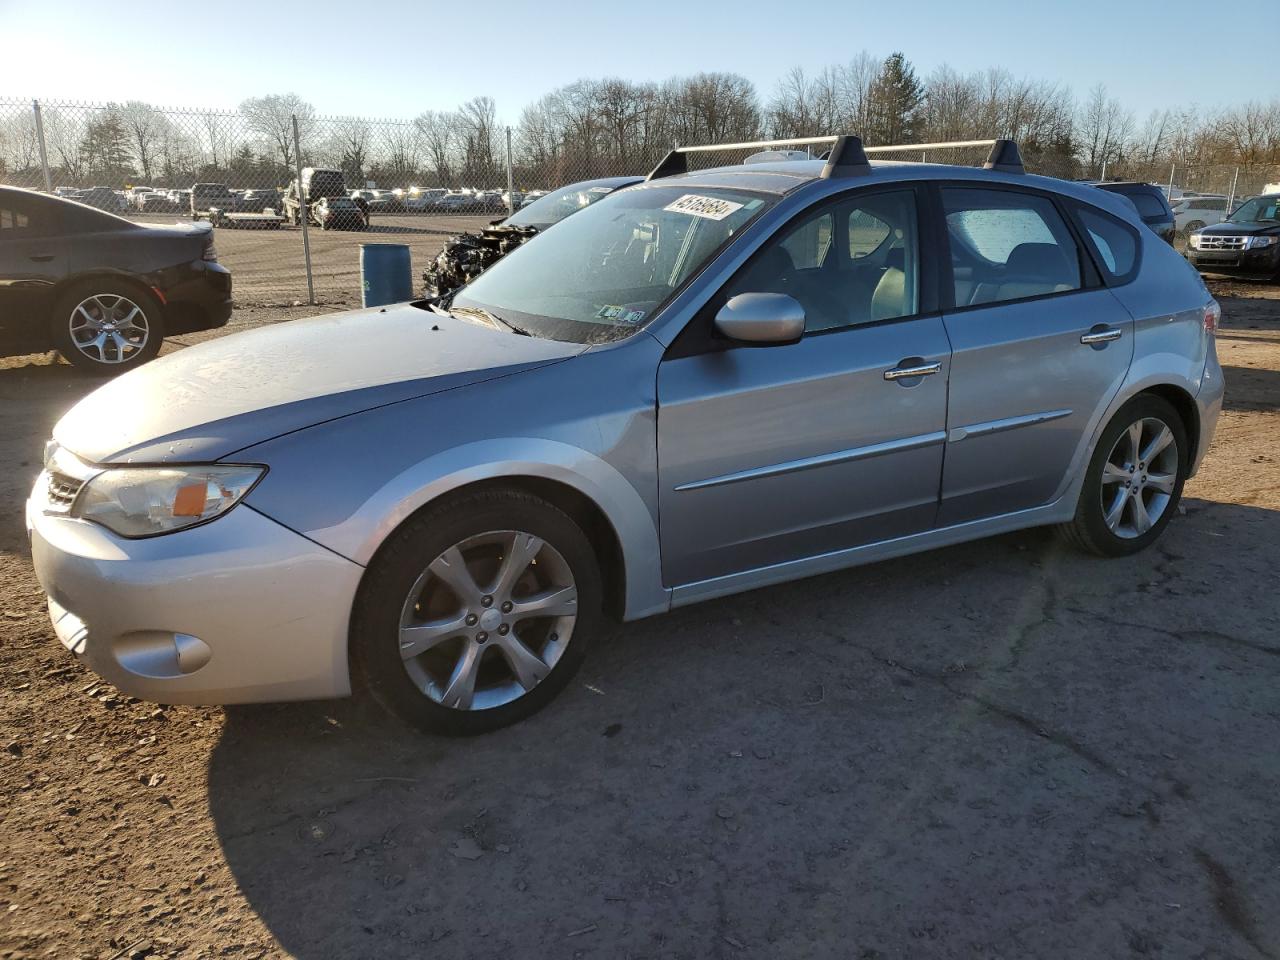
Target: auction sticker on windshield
{"points": [[709, 208]]}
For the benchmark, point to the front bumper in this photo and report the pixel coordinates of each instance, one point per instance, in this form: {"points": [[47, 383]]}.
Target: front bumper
{"points": [[1263, 262], [239, 610]]}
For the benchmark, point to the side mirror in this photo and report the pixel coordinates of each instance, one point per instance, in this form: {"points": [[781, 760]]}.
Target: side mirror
{"points": [[762, 318]]}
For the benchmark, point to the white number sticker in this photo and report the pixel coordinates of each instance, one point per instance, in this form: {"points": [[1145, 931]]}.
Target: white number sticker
{"points": [[709, 208]]}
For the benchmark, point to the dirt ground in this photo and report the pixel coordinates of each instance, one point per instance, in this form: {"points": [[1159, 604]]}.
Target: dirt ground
{"points": [[998, 750]]}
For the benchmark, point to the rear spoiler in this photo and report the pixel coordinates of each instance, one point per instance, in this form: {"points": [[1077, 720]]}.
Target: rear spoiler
{"points": [[847, 157]]}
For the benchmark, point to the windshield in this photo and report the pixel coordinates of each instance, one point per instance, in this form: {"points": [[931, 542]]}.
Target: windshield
{"points": [[1258, 210], [554, 207], [604, 273]]}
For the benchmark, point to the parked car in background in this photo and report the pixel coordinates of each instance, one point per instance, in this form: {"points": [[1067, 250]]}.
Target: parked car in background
{"points": [[181, 200], [259, 199], [851, 361], [466, 256], [423, 200], [210, 196], [531, 196], [1192, 213], [320, 183], [1246, 244], [101, 290], [339, 213], [1150, 202], [155, 202], [104, 198]]}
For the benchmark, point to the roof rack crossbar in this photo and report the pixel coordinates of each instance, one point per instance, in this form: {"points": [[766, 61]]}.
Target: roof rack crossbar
{"points": [[847, 156], [675, 161]]}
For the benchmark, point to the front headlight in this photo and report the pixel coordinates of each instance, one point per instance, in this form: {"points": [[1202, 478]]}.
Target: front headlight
{"points": [[1193, 241], [1257, 242], [147, 501]]}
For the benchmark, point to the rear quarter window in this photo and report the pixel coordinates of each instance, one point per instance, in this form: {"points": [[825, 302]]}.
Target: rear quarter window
{"points": [[1114, 243], [1148, 204]]}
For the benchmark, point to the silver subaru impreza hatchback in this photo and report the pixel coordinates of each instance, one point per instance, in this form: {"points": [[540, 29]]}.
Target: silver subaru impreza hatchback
{"points": [[708, 382]]}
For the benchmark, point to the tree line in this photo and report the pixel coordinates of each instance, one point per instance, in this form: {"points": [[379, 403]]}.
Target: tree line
{"points": [[599, 127]]}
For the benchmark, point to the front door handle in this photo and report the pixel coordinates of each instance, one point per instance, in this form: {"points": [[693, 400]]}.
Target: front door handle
{"points": [[916, 370], [42, 257], [1100, 336]]}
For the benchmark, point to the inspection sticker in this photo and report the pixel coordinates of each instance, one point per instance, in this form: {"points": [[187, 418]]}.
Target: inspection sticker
{"points": [[709, 208]]}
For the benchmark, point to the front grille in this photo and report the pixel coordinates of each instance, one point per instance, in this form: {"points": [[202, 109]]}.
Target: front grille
{"points": [[61, 491], [1211, 242]]}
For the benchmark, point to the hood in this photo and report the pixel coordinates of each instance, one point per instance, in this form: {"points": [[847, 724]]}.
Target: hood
{"points": [[1240, 228], [205, 402]]}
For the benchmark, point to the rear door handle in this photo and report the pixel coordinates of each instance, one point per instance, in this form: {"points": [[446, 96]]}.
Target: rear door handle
{"points": [[1100, 336], [918, 370]]}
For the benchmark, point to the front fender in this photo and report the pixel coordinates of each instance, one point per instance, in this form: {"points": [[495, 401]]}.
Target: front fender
{"points": [[359, 536]]}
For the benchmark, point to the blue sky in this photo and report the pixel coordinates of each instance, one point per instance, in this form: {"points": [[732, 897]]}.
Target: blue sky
{"points": [[395, 58]]}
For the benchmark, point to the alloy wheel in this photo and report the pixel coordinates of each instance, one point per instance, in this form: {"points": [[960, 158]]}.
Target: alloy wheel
{"points": [[1139, 477], [109, 328], [488, 619]]}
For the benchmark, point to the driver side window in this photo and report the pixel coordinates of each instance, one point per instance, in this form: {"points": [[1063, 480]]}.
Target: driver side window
{"points": [[851, 262]]}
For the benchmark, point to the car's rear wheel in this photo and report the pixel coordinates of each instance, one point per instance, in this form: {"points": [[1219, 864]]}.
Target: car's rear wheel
{"points": [[476, 612], [1134, 480], [107, 326]]}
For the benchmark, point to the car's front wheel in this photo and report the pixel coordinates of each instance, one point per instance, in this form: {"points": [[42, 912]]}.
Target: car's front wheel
{"points": [[107, 326], [1134, 480], [476, 612]]}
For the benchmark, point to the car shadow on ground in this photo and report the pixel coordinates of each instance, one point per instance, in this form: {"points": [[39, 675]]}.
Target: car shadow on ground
{"points": [[1251, 388], [1003, 747]]}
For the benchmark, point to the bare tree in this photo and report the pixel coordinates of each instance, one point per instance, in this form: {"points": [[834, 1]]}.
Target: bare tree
{"points": [[142, 126], [438, 131], [1104, 128], [271, 118]]}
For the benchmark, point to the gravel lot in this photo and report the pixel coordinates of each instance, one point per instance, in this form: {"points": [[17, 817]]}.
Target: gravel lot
{"points": [[269, 269], [1003, 749]]}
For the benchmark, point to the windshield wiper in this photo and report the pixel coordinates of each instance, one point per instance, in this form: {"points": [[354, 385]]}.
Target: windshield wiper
{"points": [[491, 317]]}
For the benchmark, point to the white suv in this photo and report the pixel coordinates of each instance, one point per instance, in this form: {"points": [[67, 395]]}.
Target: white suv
{"points": [[1192, 213]]}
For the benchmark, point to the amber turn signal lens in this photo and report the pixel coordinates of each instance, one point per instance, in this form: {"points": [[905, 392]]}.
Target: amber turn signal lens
{"points": [[189, 500]]}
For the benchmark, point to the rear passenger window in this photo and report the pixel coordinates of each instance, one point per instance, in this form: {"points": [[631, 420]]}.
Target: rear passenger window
{"points": [[1116, 244], [1007, 245]]}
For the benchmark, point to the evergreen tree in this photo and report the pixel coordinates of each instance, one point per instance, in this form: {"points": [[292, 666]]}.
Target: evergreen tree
{"points": [[894, 102], [105, 150]]}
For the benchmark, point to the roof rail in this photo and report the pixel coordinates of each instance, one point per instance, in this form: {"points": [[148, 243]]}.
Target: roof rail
{"points": [[847, 156], [846, 150]]}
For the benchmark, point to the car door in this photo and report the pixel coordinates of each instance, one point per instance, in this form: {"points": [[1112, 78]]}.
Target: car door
{"points": [[770, 454], [33, 257], [1039, 346]]}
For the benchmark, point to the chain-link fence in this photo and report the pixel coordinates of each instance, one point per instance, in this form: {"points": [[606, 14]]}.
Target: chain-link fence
{"points": [[254, 173], [362, 180]]}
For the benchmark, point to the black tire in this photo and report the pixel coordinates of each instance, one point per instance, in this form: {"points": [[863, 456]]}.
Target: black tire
{"points": [[377, 664], [1088, 530], [65, 313]]}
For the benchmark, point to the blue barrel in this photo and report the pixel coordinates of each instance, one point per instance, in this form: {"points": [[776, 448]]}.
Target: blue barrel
{"points": [[386, 274]]}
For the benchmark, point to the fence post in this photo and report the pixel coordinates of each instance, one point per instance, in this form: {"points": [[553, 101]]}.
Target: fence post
{"points": [[1104, 169], [44, 153], [1235, 178], [511, 199], [302, 209], [1169, 192]]}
